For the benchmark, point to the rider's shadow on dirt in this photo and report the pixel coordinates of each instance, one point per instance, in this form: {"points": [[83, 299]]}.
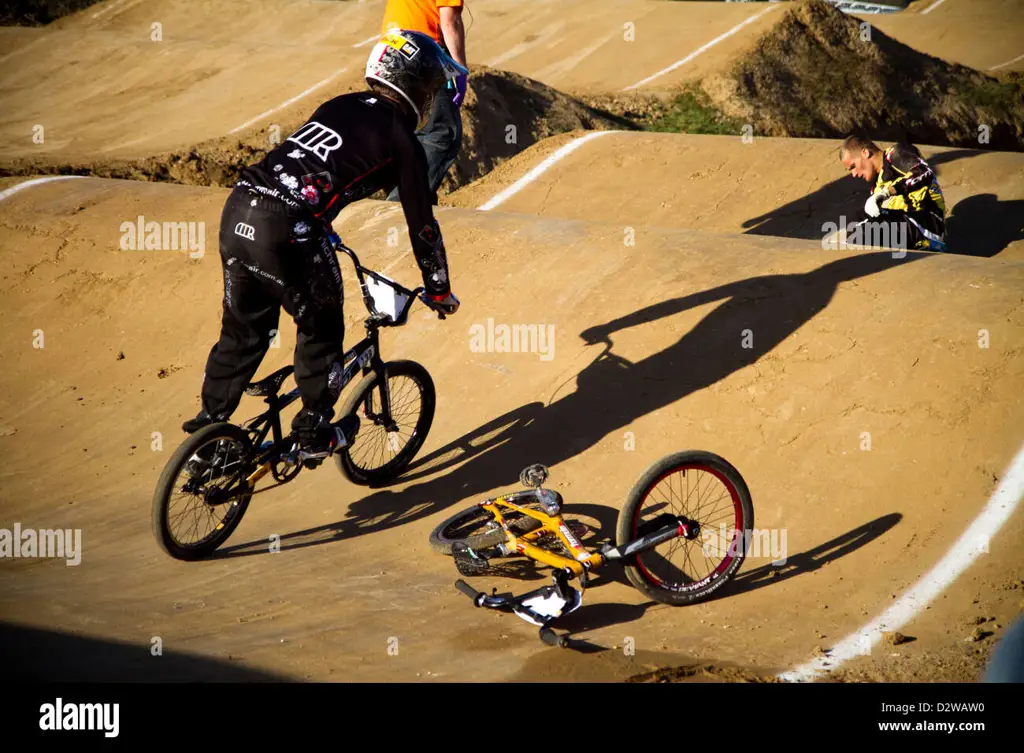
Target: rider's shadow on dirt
{"points": [[611, 393], [807, 216], [982, 225]]}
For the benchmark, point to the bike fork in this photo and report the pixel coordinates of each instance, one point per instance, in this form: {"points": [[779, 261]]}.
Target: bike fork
{"points": [[669, 527]]}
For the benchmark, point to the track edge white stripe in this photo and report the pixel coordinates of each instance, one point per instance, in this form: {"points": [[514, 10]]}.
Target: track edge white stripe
{"points": [[294, 99], [707, 46], [932, 7], [34, 182], [961, 555], [538, 170]]}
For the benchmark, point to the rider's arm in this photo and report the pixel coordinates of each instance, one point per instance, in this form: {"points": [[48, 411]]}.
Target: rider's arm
{"points": [[424, 232], [452, 30], [913, 170]]}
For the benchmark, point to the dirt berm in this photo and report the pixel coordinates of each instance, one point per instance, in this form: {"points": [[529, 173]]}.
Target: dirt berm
{"points": [[504, 113], [821, 73]]}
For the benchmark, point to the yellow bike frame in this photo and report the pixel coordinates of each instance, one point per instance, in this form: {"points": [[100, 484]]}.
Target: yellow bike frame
{"points": [[583, 559]]}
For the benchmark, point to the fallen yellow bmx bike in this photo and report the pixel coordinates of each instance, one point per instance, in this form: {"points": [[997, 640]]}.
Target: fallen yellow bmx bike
{"points": [[688, 509]]}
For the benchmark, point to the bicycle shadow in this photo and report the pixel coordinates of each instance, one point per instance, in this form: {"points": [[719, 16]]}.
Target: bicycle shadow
{"points": [[984, 226], [810, 560], [610, 394], [590, 618]]}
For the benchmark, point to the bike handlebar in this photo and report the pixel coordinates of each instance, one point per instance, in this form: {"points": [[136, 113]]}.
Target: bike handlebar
{"points": [[467, 589], [481, 599], [362, 272]]}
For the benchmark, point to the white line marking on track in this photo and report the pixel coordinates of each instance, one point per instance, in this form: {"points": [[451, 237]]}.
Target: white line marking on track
{"points": [[365, 42], [107, 9], [34, 182], [296, 98], [964, 552], [932, 7], [699, 50], [1008, 62], [536, 172]]}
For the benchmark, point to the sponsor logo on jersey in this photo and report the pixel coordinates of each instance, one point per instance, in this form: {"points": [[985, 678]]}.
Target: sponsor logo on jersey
{"points": [[246, 231], [317, 138]]}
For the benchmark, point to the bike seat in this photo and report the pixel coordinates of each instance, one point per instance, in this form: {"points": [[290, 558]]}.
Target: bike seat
{"points": [[269, 385]]}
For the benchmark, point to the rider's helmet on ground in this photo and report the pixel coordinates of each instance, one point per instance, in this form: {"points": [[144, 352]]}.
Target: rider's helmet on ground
{"points": [[413, 65]]}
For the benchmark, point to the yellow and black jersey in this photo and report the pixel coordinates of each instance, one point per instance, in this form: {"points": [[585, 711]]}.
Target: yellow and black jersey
{"points": [[911, 183]]}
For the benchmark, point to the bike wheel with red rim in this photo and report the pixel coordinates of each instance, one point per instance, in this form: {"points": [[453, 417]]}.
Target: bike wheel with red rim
{"points": [[704, 489]]}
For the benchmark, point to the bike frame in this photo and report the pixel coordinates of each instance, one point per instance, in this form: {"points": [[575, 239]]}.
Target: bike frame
{"points": [[363, 357], [661, 529]]}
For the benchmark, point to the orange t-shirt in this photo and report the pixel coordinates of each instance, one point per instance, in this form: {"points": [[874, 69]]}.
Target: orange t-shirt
{"points": [[416, 15]]}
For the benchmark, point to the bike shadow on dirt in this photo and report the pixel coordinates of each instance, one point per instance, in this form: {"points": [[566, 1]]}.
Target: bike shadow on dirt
{"points": [[597, 616], [771, 573], [610, 394]]}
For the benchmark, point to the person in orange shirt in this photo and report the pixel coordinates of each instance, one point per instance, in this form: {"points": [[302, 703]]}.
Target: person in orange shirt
{"points": [[441, 136]]}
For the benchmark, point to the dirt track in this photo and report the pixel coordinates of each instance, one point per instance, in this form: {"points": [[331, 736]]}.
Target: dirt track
{"points": [[116, 87], [843, 344], [848, 346]]}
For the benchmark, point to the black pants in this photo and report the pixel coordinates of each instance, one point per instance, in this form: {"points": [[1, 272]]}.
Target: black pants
{"points": [[266, 269], [925, 231], [441, 137]]}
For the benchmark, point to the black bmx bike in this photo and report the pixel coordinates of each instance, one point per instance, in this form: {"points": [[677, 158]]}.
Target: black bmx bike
{"points": [[218, 467]]}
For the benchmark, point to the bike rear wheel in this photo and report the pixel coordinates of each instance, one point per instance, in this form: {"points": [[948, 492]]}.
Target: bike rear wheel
{"points": [[211, 466], [704, 488], [407, 383]]}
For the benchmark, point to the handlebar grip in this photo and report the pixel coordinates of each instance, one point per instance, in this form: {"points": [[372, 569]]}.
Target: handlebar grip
{"points": [[467, 589]]}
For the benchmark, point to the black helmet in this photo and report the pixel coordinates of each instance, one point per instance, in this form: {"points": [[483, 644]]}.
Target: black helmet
{"points": [[412, 64]]}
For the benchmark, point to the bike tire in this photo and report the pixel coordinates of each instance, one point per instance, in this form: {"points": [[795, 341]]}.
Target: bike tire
{"points": [[442, 542], [165, 487], [636, 573], [390, 470]]}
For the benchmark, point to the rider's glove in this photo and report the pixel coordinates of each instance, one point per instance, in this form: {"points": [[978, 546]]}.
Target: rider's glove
{"points": [[871, 206], [446, 304], [460, 90]]}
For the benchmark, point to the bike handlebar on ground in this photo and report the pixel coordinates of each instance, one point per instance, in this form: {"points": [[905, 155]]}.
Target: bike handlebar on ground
{"points": [[480, 599]]}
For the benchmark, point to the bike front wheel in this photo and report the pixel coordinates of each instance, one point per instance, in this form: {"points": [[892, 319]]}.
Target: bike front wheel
{"points": [[209, 469], [383, 449], [705, 489]]}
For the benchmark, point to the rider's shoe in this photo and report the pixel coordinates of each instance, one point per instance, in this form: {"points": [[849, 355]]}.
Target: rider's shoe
{"points": [[195, 424], [319, 442]]}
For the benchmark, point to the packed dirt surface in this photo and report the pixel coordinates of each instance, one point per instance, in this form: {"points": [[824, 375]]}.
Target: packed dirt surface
{"points": [[872, 401], [981, 34], [817, 74], [766, 186], [164, 76], [167, 90], [503, 115], [863, 379]]}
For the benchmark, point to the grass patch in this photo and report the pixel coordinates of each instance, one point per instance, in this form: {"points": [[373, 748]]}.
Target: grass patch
{"points": [[1003, 97], [692, 112]]}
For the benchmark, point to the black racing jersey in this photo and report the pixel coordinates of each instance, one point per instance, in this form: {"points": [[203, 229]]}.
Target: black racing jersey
{"points": [[912, 185], [351, 147]]}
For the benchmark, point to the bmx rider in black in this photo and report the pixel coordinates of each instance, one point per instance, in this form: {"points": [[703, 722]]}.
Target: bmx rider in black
{"points": [[274, 234]]}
